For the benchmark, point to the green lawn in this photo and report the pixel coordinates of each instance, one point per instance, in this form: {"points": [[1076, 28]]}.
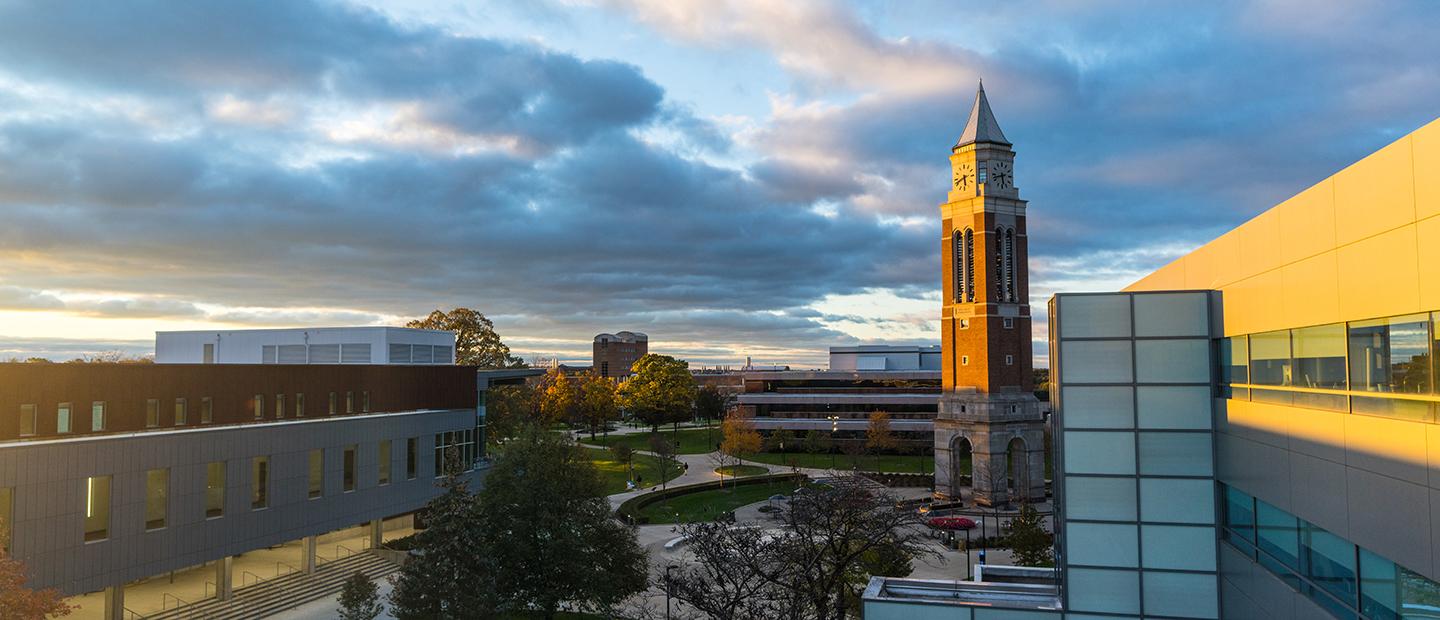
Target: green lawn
{"points": [[614, 472], [707, 505], [692, 441], [741, 470], [892, 463]]}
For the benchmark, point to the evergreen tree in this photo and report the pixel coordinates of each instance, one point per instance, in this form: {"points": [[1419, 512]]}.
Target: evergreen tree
{"points": [[551, 533], [440, 580], [1030, 543], [359, 599]]}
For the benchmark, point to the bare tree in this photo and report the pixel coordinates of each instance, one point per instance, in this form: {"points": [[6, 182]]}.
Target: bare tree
{"points": [[834, 537]]}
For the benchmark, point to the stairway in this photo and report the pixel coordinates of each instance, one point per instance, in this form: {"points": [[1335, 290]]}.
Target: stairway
{"points": [[272, 596]]}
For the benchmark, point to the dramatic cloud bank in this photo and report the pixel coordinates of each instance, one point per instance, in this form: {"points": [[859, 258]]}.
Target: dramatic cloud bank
{"points": [[730, 177]]}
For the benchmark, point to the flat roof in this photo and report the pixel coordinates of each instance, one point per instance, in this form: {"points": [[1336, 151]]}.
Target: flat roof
{"points": [[839, 375], [302, 329], [963, 593], [760, 398], [885, 348]]}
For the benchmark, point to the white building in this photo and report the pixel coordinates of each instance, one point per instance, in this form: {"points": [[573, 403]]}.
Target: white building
{"points": [[323, 345], [885, 357]]}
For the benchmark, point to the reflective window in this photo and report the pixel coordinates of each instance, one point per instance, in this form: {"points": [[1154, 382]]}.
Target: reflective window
{"points": [[181, 412], [365, 402], [279, 406], [1270, 358], [97, 415], [317, 473], [332, 403], [1328, 561], [28, 419], [411, 448], [384, 475], [1391, 355], [207, 410], [97, 508], [349, 476], [1320, 356], [299, 405], [1279, 534], [1235, 360], [157, 498], [214, 490], [62, 418], [152, 413], [349, 402], [259, 482], [257, 406], [1240, 514]]}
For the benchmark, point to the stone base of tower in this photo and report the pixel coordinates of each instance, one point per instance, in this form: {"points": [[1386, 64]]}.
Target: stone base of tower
{"points": [[1004, 433]]}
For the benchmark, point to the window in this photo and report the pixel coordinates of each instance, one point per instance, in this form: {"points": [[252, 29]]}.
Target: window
{"points": [[208, 357], [1010, 264], [258, 406], [1278, 534], [1270, 358], [279, 406], [181, 412], [365, 401], [969, 265], [332, 403], [964, 323], [605, 369], [97, 415], [464, 444], [152, 412], [207, 410], [998, 276], [349, 402], [384, 476], [1319, 356], [349, 477], [411, 448], [1009, 360], [1234, 360], [7, 515], [1328, 561], [957, 239], [215, 490], [259, 482], [317, 473], [157, 498], [1008, 323], [97, 508], [299, 405], [980, 172], [1239, 516], [1391, 355], [28, 421], [62, 418], [964, 360]]}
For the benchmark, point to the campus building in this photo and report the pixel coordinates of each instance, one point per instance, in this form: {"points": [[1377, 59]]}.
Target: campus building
{"points": [[310, 345], [139, 488], [1250, 431], [903, 381], [612, 355]]}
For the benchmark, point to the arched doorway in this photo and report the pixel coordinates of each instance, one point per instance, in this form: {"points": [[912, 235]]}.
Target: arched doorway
{"points": [[960, 460]]}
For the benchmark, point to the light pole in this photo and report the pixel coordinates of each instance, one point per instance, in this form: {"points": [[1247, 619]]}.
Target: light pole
{"points": [[834, 425], [668, 582]]}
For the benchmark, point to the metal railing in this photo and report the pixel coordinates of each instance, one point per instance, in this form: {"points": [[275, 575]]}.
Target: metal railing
{"points": [[245, 573], [291, 569]]}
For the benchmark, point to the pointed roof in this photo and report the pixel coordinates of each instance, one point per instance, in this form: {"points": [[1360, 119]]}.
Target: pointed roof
{"points": [[982, 126]]}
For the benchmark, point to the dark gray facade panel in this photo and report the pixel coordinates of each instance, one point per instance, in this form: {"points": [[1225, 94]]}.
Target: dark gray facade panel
{"points": [[50, 478]]}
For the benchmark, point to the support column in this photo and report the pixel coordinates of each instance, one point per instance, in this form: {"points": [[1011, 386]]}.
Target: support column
{"points": [[377, 530], [224, 572], [115, 603], [308, 550]]}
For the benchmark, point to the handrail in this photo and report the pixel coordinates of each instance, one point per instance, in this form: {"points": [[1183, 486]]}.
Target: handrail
{"points": [[339, 547], [210, 584], [166, 596], [292, 570], [132, 613], [243, 573]]}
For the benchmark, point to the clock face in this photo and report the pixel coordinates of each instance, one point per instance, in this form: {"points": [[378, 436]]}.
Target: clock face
{"points": [[1001, 176], [964, 176]]}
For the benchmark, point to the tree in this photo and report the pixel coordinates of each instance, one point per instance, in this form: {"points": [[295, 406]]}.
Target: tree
{"points": [[878, 436], [816, 441], [359, 599], [711, 403], [551, 533], [834, 537], [597, 401], [438, 582], [476, 343], [1030, 543], [741, 438], [664, 451], [660, 390], [780, 440], [623, 453], [508, 408], [559, 398], [20, 602]]}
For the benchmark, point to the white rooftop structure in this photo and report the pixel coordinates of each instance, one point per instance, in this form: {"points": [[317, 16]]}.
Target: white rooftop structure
{"points": [[313, 345], [885, 357]]}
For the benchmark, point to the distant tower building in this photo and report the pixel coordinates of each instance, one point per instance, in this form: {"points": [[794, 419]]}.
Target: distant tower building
{"points": [[988, 407], [614, 354]]}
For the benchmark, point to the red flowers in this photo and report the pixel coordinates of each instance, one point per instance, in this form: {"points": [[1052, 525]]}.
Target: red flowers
{"points": [[951, 523]]}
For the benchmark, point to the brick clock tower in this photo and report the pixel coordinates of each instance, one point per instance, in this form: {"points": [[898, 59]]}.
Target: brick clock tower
{"points": [[988, 410]]}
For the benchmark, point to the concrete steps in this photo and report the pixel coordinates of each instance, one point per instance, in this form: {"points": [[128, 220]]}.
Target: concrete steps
{"points": [[272, 596]]}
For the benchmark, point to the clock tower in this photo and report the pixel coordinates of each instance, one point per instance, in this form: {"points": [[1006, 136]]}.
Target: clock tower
{"points": [[990, 419]]}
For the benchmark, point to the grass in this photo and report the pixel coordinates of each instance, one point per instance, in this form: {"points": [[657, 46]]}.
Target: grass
{"points": [[692, 441], [890, 463], [741, 470], [708, 505], [614, 473]]}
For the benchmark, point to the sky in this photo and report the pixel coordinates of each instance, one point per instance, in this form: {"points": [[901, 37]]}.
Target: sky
{"points": [[735, 178]]}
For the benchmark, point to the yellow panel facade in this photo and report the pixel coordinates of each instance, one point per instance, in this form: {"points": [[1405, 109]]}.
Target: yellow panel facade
{"points": [[1307, 223], [1378, 276], [1253, 304], [1425, 145], [1427, 238], [1375, 194], [1311, 290], [1402, 441], [1168, 278], [1260, 243]]}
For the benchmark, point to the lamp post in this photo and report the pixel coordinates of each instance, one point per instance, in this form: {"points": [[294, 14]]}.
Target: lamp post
{"points": [[834, 425], [668, 582]]}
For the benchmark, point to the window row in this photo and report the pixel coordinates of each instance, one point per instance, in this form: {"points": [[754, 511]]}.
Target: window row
{"points": [[1390, 356], [1003, 274], [1347, 580], [256, 406], [98, 500]]}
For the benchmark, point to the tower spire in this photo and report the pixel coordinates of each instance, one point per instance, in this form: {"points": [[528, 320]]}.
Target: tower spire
{"points": [[982, 126]]}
